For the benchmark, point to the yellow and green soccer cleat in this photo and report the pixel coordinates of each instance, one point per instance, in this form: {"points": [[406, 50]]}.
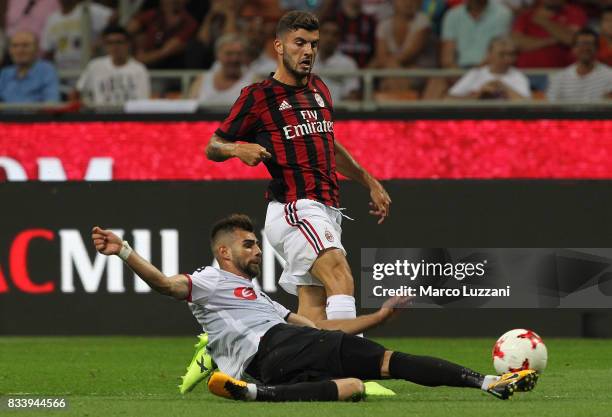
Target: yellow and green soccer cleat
{"points": [[374, 389], [225, 386], [200, 367], [511, 382]]}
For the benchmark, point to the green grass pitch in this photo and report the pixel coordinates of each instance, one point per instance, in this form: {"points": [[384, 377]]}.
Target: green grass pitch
{"points": [[132, 376]]}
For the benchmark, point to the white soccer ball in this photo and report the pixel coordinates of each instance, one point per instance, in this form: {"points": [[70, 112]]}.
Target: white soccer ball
{"points": [[519, 349]]}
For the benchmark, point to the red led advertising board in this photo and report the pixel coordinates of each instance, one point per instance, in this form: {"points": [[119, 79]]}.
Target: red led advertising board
{"points": [[451, 149]]}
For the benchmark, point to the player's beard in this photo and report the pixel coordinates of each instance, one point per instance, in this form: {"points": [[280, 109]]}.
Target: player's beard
{"points": [[292, 67], [251, 269]]}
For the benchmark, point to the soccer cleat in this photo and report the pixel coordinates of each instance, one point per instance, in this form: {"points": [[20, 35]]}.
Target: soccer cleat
{"points": [[508, 383], [200, 367], [225, 386], [374, 389], [528, 382]]}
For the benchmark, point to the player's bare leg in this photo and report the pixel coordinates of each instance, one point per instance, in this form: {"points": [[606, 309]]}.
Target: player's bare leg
{"points": [[332, 270], [311, 302], [336, 300], [350, 389]]}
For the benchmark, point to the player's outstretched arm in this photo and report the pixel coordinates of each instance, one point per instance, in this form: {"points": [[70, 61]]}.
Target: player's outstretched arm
{"points": [[298, 320], [219, 150], [108, 243], [350, 168], [367, 321]]}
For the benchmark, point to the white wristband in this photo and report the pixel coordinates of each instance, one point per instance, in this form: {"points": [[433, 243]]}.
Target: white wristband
{"points": [[125, 251]]}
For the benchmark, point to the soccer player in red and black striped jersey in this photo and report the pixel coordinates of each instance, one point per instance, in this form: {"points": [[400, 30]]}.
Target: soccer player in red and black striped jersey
{"points": [[286, 122]]}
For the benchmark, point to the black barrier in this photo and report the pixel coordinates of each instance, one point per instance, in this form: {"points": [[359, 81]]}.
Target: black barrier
{"points": [[52, 283]]}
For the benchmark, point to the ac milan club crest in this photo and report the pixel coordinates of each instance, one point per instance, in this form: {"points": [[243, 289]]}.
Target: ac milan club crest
{"points": [[329, 236], [245, 292], [319, 100]]}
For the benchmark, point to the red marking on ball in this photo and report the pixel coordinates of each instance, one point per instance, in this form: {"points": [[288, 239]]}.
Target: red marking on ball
{"points": [[497, 352], [523, 367], [532, 337]]}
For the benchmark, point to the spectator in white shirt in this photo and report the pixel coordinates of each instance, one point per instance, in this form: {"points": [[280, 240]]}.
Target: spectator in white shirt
{"points": [[587, 79], [498, 79], [329, 58], [117, 77], [62, 38], [221, 85]]}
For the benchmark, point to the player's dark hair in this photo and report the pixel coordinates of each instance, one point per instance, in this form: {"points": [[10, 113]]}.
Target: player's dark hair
{"points": [[229, 224], [113, 28], [586, 31], [297, 19]]}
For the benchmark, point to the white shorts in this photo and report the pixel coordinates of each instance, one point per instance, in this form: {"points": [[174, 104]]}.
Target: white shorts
{"points": [[299, 231]]}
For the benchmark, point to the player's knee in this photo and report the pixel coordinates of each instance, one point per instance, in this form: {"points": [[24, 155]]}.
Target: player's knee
{"points": [[356, 386], [385, 363], [350, 389]]}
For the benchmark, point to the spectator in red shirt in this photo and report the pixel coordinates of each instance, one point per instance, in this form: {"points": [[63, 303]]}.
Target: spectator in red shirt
{"points": [[544, 34], [162, 34], [605, 38], [358, 32]]}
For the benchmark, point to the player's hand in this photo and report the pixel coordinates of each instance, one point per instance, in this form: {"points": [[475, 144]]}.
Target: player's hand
{"points": [[379, 206], [105, 241], [392, 306], [251, 153]]}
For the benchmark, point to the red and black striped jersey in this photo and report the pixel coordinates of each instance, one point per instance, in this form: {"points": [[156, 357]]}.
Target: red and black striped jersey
{"points": [[295, 125]]}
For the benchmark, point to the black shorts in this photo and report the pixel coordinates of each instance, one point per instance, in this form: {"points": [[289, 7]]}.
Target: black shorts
{"points": [[288, 354]]}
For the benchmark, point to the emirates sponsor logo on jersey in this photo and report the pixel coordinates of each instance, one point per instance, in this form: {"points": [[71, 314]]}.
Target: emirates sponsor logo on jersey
{"points": [[246, 293], [311, 126]]}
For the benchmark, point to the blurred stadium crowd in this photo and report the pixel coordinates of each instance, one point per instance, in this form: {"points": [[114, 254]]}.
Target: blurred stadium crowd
{"points": [[493, 46]]}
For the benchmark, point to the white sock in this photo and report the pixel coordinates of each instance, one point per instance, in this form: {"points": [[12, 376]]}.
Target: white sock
{"points": [[252, 394], [488, 380], [341, 307]]}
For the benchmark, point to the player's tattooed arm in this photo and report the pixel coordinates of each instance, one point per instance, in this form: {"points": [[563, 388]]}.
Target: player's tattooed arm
{"points": [[108, 243], [350, 168], [219, 150]]}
